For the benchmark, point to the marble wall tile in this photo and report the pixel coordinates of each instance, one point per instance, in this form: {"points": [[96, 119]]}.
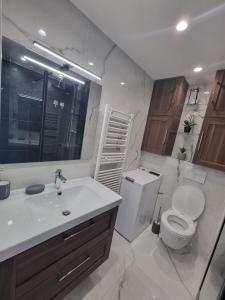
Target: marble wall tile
{"points": [[68, 31], [134, 97]]}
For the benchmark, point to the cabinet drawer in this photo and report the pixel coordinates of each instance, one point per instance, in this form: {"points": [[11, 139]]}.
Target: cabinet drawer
{"points": [[47, 284], [40, 257]]}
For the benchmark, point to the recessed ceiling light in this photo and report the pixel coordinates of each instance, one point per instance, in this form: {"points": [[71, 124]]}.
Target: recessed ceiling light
{"points": [[22, 58], [122, 83], [206, 92], [42, 32], [91, 63], [10, 222], [197, 69], [182, 25]]}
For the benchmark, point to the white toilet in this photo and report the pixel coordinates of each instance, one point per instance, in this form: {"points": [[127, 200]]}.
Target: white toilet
{"points": [[178, 224]]}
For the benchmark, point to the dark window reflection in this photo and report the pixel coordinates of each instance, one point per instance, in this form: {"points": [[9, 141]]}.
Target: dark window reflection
{"points": [[42, 116]]}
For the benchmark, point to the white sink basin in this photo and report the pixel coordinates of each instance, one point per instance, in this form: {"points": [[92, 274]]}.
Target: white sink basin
{"points": [[79, 199], [26, 221]]}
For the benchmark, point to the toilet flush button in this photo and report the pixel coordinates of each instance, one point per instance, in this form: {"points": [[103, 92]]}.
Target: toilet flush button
{"points": [[195, 174]]}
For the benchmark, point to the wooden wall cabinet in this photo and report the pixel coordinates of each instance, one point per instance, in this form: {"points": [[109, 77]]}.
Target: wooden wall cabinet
{"points": [[216, 106], [164, 115], [210, 149], [53, 268], [163, 97]]}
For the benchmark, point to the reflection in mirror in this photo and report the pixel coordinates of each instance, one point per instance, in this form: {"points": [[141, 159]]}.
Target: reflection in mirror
{"points": [[191, 121], [44, 108]]}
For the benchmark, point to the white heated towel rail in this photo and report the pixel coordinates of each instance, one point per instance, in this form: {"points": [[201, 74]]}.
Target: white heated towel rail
{"points": [[113, 147]]}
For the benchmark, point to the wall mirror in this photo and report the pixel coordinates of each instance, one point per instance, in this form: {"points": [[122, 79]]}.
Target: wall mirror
{"points": [[49, 110]]}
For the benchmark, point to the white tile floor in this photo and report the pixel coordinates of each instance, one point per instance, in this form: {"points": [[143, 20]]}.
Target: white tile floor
{"points": [[141, 270]]}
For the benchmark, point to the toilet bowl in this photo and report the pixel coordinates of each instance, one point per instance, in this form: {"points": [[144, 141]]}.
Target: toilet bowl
{"points": [[178, 224]]}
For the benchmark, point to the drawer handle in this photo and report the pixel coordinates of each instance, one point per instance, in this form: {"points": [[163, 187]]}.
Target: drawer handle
{"points": [[165, 136], [72, 236], [73, 270], [76, 233]]}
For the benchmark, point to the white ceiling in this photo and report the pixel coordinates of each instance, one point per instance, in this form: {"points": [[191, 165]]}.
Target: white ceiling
{"points": [[145, 30]]}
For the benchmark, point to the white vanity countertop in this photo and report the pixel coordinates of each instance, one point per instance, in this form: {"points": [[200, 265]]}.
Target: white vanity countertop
{"points": [[27, 220]]}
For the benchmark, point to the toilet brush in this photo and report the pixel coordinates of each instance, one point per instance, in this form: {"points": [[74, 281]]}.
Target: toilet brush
{"points": [[156, 223]]}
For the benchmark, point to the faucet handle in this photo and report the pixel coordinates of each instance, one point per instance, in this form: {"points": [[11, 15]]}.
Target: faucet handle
{"points": [[58, 172]]}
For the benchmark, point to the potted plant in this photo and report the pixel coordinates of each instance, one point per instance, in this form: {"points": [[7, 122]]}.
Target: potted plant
{"points": [[189, 123], [182, 154]]}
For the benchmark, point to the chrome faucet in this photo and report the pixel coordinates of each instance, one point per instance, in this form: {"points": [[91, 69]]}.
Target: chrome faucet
{"points": [[59, 179]]}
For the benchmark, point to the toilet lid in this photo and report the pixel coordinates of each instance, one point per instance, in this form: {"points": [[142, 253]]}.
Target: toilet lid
{"points": [[189, 200]]}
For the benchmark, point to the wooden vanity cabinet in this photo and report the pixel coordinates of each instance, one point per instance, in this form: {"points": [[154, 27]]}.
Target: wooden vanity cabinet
{"points": [[53, 268], [210, 149], [164, 115]]}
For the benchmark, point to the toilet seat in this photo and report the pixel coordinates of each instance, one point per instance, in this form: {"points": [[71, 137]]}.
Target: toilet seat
{"points": [[178, 223], [189, 200]]}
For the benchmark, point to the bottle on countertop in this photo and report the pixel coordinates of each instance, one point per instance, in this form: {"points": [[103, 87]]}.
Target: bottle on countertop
{"points": [[4, 188]]}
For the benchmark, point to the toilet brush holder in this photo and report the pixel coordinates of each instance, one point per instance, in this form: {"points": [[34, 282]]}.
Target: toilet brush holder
{"points": [[155, 227], [4, 190], [156, 223]]}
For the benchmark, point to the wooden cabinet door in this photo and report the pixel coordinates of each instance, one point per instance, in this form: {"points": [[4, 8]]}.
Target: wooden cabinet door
{"points": [[164, 115], [170, 136], [162, 97], [7, 280], [160, 134], [216, 107], [210, 150], [168, 97], [155, 136], [179, 97]]}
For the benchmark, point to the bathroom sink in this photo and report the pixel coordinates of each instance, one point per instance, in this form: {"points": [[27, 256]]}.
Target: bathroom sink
{"points": [[76, 200], [26, 220]]}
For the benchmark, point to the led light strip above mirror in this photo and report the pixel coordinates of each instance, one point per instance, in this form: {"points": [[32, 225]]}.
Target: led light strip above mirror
{"points": [[65, 60], [27, 58]]}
